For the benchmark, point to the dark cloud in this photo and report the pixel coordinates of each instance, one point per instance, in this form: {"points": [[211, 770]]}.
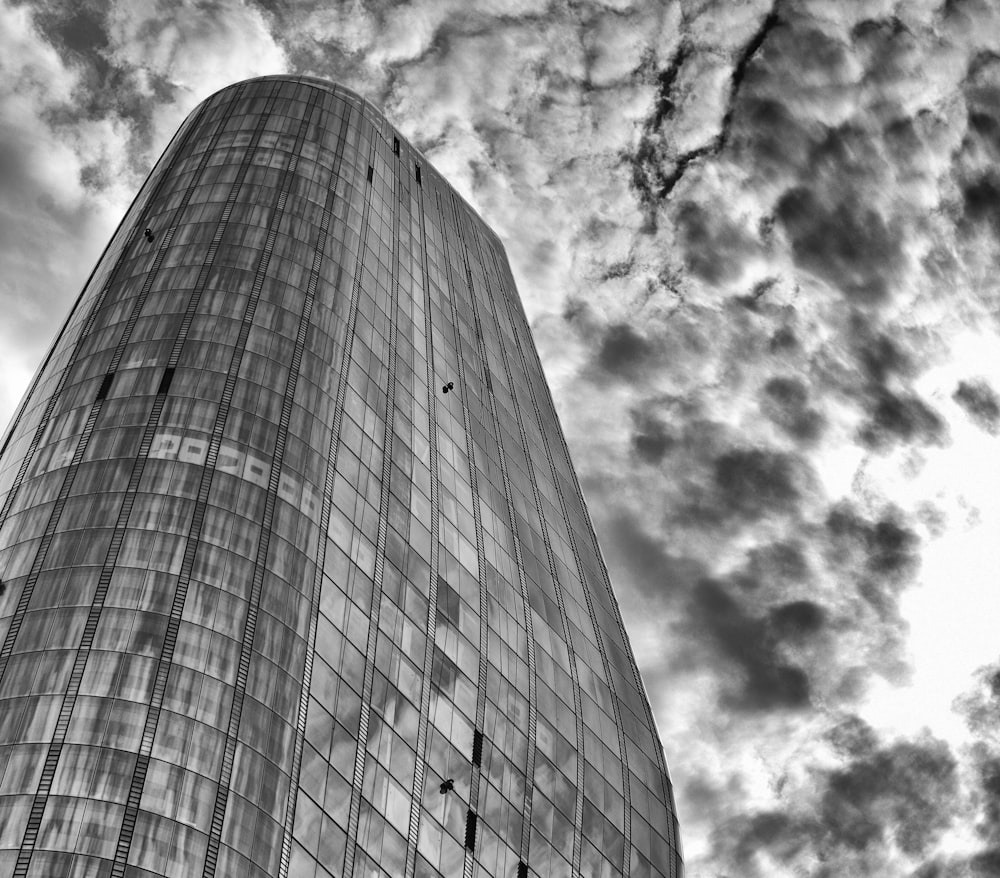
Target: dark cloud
{"points": [[656, 167], [980, 706], [786, 404], [784, 836], [806, 47], [894, 792], [895, 417], [747, 54], [906, 141], [879, 356], [647, 565], [714, 248], [651, 440], [986, 864], [649, 177], [770, 137], [78, 26], [665, 101], [623, 352], [845, 242], [886, 548], [618, 351], [753, 482], [876, 34], [977, 159], [900, 792], [852, 738], [981, 402], [893, 414], [781, 562], [985, 127], [722, 619], [797, 620], [981, 201], [783, 340], [988, 778], [618, 269], [767, 681]]}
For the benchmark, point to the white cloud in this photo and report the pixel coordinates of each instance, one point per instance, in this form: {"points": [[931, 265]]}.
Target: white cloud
{"points": [[195, 46], [52, 227]]}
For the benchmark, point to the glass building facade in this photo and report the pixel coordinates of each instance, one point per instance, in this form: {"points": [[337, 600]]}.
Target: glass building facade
{"points": [[297, 575]]}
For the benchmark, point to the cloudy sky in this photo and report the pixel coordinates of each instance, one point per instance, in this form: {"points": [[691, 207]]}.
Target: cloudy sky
{"points": [[759, 246]]}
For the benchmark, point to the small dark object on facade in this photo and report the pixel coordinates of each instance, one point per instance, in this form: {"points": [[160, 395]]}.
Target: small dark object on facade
{"points": [[449, 386], [447, 786], [149, 234]]}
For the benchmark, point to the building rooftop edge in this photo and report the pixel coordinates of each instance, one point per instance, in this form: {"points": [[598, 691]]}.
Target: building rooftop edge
{"points": [[334, 87]]}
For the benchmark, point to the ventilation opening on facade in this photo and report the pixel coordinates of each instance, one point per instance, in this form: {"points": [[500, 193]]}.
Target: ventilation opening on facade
{"points": [[168, 376], [395, 146], [371, 173], [477, 748], [102, 391], [470, 831], [522, 870], [417, 168]]}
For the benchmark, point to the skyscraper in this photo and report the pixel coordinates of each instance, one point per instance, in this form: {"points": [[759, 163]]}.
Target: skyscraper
{"points": [[290, 479]]}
